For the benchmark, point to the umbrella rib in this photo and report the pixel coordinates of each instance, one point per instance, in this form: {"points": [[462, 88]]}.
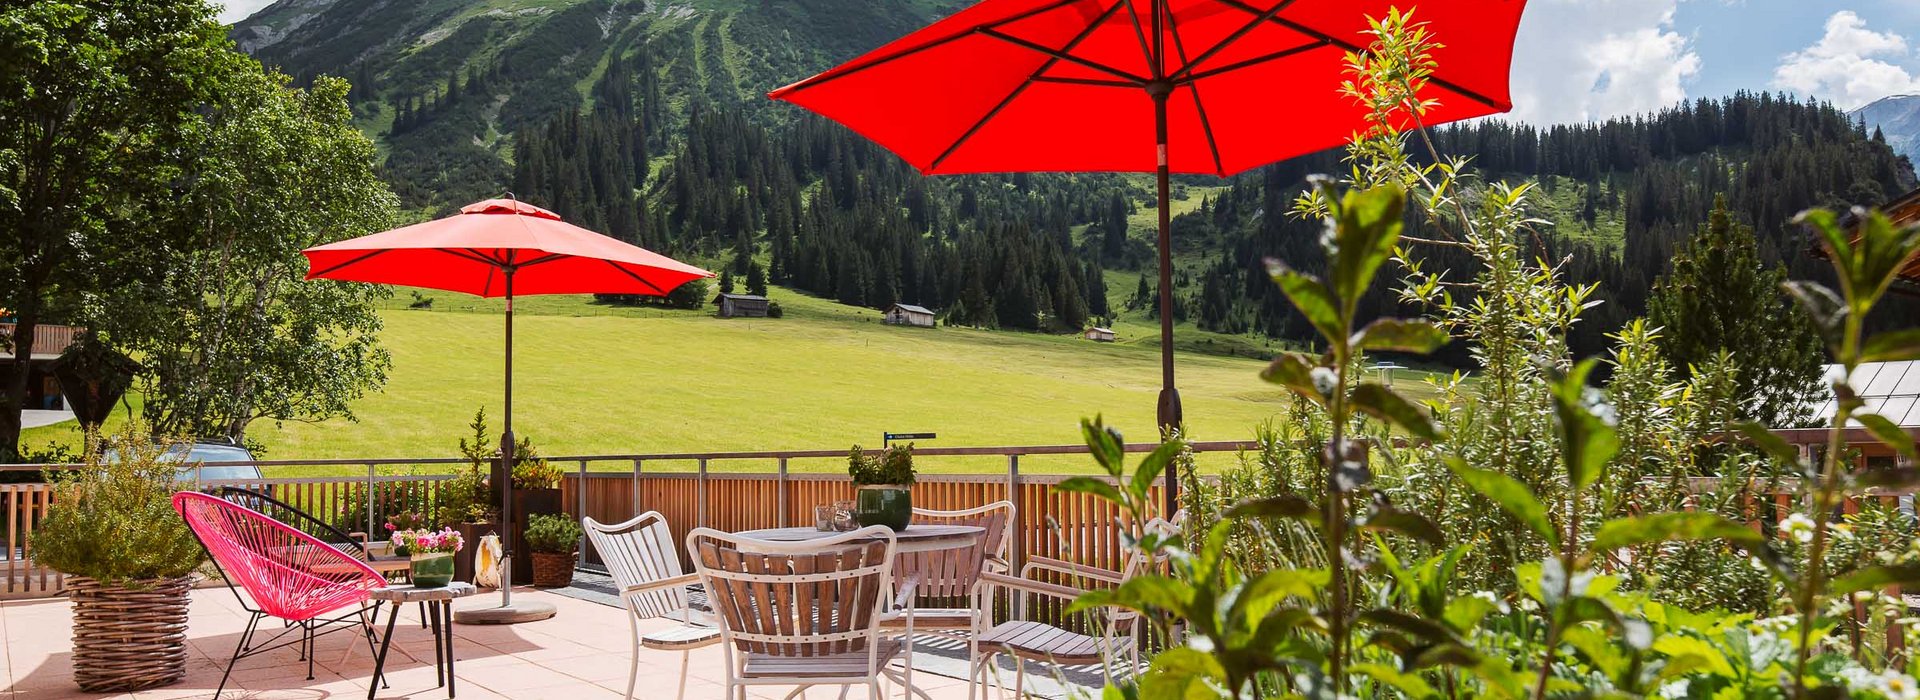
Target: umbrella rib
{"points": [[1141, 34], [1093, 82], [1237, 65], [1206, 125], [1104, 68], [346, 264], [850, 70], [656, 288], [1022, 87], [1350, 46], [1268, 14]]}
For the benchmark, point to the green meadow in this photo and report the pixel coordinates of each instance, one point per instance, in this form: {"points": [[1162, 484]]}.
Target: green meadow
{"points": [[600, 379]]}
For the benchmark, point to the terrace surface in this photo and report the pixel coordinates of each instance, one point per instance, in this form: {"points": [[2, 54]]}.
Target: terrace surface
{"points": [[580, 654]]}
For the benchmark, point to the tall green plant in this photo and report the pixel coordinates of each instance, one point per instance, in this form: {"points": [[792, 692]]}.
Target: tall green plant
{"points": [[113, 518]]}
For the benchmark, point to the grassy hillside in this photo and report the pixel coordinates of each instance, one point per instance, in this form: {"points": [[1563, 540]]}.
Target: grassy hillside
{"points": [[595, 379]]}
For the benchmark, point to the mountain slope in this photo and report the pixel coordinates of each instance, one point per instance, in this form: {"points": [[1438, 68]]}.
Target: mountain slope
{"points": [[1897, 116]]}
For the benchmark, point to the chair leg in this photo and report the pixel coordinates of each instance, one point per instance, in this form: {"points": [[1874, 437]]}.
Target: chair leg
{"points": [[633, 663], [238, 649], [306, 633], [685, 656], [1019, 678]]}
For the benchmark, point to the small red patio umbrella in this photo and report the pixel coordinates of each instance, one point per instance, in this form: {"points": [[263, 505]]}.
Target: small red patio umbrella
{"points": [[1213, 86], [501, 248]]}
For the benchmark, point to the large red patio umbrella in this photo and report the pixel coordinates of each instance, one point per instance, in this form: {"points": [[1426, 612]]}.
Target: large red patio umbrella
{"points": [[1189, 86], [501, 248]]}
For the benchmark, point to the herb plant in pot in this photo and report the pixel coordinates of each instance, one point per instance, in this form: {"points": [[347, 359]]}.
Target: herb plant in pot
{"points": [[129, 561], [884, 485], [553, 540], [431, 555]]}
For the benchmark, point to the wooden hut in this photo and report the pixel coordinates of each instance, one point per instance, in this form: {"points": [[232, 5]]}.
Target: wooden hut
{"points": [[1100, 335], [741, 305], [908, 315]]}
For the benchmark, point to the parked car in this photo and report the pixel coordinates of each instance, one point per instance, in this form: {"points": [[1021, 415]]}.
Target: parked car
{"points": [[194, 455]]}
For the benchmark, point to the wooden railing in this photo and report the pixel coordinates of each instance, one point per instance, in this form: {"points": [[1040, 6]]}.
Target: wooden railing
{"points": [[47, 339], [611, 488]]}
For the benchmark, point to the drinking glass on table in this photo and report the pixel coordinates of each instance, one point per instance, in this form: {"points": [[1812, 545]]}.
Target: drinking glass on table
{"points": [[825, 518], [843, 516]]}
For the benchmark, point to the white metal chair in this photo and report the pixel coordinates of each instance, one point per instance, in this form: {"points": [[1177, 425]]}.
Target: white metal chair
{"points": [[1027, 640], [640, 555], [802, 613], [944, 577]]}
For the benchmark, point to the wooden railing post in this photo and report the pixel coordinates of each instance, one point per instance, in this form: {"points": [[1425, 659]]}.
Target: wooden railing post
{"points": [[1019, 553], [580, 512], [636, 509], [700, 491], [370, 509], [780, 496]]}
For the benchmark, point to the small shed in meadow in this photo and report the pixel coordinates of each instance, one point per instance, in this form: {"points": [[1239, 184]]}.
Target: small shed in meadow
{"points": [[741, 305], [908, 315], [1100, 335]]}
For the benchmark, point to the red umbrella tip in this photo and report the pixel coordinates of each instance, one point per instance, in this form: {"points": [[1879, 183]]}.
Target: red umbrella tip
{"points": [[508, 206]]}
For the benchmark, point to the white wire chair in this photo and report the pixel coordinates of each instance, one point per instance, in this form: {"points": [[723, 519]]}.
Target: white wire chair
{"points": [[803, 613], [640, 555], [1028, 640]]}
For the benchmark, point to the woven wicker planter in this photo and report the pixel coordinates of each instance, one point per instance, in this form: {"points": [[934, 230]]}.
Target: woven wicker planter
{"points": [[129, 638], [552, 570]]}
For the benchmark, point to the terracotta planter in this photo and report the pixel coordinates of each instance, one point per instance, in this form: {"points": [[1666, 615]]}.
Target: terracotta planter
{"points": [[551, 570], [131, 637]]}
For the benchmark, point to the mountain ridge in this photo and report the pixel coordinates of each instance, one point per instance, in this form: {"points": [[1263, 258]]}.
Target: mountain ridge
{"points": [[1898, 117]]}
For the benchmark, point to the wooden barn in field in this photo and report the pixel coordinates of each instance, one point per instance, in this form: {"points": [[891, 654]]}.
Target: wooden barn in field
{"points": [[1100, 335], [741, 305], [908, 315]]}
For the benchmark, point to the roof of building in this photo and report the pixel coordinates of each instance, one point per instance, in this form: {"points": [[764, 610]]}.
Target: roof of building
{"points": [[1891, 389], [1903, 210], [909, 308], [739, 297], [1098, 329]]}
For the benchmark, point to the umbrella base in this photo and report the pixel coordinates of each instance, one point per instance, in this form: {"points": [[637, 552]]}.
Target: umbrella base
{"points": [[516, 612]]}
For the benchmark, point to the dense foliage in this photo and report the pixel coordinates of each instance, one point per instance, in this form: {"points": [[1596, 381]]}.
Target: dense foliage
{"points": [[554, 533], [892, 467], [115, 522]]}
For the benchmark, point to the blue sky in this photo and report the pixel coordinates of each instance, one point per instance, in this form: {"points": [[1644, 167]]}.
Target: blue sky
{"points": [[1579, 60]]}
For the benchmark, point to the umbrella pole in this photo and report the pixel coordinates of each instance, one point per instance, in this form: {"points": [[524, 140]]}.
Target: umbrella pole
{"points": [[1169, 413]]}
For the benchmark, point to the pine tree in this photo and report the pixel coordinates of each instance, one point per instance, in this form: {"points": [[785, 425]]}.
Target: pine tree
{"points": [[756, 280], [1720, 297], [726, 281]]}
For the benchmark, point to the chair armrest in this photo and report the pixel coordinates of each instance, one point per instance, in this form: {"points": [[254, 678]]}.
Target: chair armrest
{"points": [[1070, 569], [903, 598], [671, 582], [997, 565], [1030, 586]]}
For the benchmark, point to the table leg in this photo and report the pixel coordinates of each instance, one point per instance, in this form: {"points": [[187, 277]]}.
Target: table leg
{"points": [[432, 611], [380, 662], [446, 618]]}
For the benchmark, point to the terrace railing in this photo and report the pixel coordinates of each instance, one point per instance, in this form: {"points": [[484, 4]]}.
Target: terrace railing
{"points": [[730, 491]]}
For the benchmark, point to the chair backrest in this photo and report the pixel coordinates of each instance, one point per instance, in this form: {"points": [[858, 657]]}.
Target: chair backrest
{"points": [[292, 517], [811, 598], [288, 573], [640, 551], [951, 573]]}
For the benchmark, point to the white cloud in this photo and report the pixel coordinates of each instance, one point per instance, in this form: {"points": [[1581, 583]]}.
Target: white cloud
{"points": [[1846, 66], [1585, 60]]}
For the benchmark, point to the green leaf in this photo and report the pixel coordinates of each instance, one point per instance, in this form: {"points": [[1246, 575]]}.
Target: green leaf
{"points": [[1314, 301], [1106, 444], [1410, 524], [1825, 308], [1768, 442], [1511, 495], [1367, 226], [1259, 596], [1408, 684], [1422, 628], [1400, 335], [1141, 594], [1094, 486], [1382, 403], [1892, 346], [1587, 442], [1888, 434], [1282, 506], [1877, 577], [1154, 464], [1295, 372], [1673, 527]]}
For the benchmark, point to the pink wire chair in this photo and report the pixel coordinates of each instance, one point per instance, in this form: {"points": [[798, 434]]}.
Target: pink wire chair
{"points": [[289, 574]]}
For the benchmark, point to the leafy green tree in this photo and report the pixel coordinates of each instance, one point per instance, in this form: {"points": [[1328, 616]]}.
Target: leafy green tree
{"points": [[89, 90], [1719, 297], [231, 334]]}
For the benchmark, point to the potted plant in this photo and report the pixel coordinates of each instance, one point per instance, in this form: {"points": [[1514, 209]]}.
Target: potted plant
{"points": [[432, 553], [404, 522], [129, 561], [466, 502], [884, 486], [536, 491], [552, 541]]}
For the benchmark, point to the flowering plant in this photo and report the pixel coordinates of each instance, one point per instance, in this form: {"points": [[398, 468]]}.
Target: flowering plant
{"points": [[406, 521], [445, 541]]}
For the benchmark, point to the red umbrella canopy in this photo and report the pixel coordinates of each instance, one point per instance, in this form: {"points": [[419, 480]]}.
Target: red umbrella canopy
{"points": [[1061, 85], [470, 252]]}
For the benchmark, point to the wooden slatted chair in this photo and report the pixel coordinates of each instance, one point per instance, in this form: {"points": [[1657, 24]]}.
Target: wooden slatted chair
{"points": [[640, 555], [802, 613], [944, 579], [1028, 640]]}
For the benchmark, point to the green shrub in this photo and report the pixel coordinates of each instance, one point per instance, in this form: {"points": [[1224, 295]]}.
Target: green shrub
{"points": [[553, 534], [530, 470], [894, 467], [113, 521]]}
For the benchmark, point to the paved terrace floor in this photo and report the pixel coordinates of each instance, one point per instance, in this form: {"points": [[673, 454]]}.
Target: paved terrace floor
{"points": [[580, 654]]}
